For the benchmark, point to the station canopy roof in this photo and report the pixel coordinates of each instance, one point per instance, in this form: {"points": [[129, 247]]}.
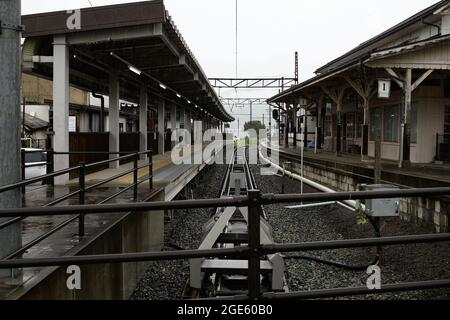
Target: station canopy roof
{"points": [[139, 40], [373, 49]]}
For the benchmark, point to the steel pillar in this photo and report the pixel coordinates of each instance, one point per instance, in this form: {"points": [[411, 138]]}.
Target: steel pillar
{"points": [[143, 121], [405, 144], [10, 81], [114, 109], [161, 125], [61, 98]]}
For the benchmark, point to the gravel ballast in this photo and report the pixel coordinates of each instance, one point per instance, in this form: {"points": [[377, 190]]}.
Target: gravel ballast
{"points": [[418, 262], [166, 280]]}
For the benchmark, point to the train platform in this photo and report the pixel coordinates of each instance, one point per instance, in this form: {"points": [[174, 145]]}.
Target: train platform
{"points": [[168, 178], [416, 176], [65, 241], [166, 175]]}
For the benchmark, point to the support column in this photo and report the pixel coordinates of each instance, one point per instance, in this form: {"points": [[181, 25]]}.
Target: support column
{"points": [[405, 145], [305, 128], [114, 106], [286, 128], [339, 130], [366, 92], [61, 105], [161, 125], [173, 117], [365, 132], [187, 124], [337, 95], [143, 121], [10, 81], [173, 122], [319, 122], [294, 124]]}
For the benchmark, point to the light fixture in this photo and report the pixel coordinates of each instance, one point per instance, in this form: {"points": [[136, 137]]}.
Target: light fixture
{"points": [[135, 70], [178, 95], [162, 86]]}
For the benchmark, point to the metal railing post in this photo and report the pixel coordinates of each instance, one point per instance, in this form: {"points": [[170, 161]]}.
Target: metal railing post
{"points": [[254, 264], [135, 176], [82, 196], [150, 168], [23, 168], [51, 166]]}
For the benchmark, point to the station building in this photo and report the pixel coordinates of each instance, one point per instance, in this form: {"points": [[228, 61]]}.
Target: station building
{"points": [[394, 87], [130, 54]]}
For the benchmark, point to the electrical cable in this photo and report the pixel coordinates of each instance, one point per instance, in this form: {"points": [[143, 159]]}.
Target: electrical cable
{"points": [[375, 261]]}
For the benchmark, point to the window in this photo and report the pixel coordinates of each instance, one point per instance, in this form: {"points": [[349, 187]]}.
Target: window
{"points": [[391, 123], [328, 126], [376, 116], [350, 124]]}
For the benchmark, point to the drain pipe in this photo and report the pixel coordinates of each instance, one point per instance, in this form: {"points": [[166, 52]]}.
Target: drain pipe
{"points": [[311, 183], [102, 111]]}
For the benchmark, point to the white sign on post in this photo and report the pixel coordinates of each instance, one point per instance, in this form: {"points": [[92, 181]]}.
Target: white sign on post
{"points": [[384, 89]]}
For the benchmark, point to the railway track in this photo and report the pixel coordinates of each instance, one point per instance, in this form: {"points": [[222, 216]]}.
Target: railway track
{"points": [[228, 228]]}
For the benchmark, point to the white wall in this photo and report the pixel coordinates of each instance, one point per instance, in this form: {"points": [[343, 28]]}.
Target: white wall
{"points": [[38, 111], [430, 121]]}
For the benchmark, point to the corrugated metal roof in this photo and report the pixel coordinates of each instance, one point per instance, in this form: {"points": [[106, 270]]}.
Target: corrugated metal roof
{"points": [[365, 48], [34, 123], [360, 53]]}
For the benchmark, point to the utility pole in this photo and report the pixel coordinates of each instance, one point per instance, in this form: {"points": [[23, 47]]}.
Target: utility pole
{"points": [[10, 124]]}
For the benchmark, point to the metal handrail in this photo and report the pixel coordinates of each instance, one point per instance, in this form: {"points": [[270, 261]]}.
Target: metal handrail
{"points": [[253, 251], [254, 200], [240, 201], [37, 179], [80, 192]]}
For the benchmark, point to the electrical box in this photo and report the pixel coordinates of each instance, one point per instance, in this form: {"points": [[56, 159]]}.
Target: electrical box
{"points": [[382, 207]]}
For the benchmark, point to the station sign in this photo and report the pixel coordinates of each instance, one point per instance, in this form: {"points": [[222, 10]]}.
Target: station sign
{"points": [[384, 88]]}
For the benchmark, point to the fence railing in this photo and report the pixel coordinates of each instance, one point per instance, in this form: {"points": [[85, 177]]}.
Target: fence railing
{"points": [[80, 192], [254, 250]]}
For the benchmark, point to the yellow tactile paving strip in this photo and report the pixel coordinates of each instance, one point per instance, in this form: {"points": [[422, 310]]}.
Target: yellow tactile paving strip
{"points": [[128, 179]]}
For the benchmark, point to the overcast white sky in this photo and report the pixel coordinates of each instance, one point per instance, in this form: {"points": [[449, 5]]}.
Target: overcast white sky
{"points": [[269, 31]]}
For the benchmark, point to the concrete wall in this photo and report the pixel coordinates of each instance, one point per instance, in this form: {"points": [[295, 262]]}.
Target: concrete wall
{"points": [[134, 233], [433, 212], [38, 90]]}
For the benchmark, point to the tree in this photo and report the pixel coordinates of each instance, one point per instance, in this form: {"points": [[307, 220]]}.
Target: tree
{"points": [[255, 125]]}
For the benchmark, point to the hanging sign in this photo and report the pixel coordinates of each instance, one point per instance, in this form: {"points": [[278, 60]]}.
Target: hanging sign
{"points": [[384, 89]]}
